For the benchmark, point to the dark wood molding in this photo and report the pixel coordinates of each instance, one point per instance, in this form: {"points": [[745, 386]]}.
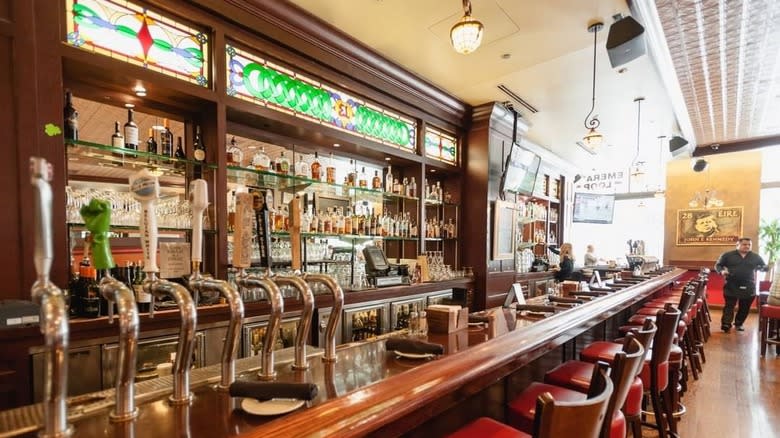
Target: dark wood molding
{"points": [[736, 145], [302, 33]]}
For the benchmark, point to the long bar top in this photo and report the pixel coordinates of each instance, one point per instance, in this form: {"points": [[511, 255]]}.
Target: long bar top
{"points": [[368, 387]]}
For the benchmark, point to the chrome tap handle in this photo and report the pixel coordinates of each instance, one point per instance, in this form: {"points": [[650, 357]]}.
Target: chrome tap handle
{"points": [[335, 315], [230, 349], [53, 312], [307, 297], [267, 371], [199, 201], [115, 291]]}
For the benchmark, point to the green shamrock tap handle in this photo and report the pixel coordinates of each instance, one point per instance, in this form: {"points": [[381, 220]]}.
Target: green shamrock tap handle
{"points": [[97, 218]]}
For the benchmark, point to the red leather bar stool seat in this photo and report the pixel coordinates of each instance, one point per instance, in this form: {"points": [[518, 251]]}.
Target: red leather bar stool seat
{"points": [[768, 314], [523, 408], [488, 428]]}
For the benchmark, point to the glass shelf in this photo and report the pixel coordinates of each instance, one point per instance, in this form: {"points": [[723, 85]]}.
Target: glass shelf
{"points": [[85, 153], [121, 228], [263, 179], [434, 202], [524, 245], [282, 234], [440, 239]]}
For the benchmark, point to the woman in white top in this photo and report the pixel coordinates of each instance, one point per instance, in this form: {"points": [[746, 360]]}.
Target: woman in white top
{"points": [[590, 258]]}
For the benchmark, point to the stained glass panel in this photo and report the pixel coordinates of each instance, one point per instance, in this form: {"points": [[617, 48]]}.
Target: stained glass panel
{"points": [[134, 34], [259, 81], [441, 146]]}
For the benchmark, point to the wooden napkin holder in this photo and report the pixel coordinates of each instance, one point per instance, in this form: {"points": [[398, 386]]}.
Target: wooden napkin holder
{"points": [[447, 319]]}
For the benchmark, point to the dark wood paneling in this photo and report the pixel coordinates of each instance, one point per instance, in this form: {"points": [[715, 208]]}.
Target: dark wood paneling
{"points": [[5, 10], [9, 180]]}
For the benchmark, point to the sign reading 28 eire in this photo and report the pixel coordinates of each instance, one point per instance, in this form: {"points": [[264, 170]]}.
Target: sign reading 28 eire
{"points": [[710, 226]]}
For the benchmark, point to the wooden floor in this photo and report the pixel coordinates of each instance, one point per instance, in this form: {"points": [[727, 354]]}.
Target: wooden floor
{"points": [[738, 394]]}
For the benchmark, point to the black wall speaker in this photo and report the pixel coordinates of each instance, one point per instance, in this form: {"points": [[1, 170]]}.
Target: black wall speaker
{"points": [[677, 146], [699, 165], [625, 42]]}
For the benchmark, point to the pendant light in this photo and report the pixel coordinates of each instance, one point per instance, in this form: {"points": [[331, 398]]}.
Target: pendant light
{"points": [[636, 171], [466, 34], [593, 139], [659, 193]]}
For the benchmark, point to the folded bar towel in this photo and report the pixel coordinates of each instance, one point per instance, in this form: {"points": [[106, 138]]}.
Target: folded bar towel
{"points": [[406, 345], [269, 390]]}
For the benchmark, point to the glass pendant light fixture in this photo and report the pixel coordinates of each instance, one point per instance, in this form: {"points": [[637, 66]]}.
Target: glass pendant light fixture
{"points": [[636, 169], [659, 193], [593, 139], [466, 34]]}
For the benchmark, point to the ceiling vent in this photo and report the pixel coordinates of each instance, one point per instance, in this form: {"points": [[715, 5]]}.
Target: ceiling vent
{"points": [[517, 99]]}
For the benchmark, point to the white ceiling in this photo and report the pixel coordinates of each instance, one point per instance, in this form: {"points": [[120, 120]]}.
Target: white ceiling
{"points": [[550, 66]]}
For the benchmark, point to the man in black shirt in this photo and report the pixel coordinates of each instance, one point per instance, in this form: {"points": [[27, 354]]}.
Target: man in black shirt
{"points": [[738, 267]]}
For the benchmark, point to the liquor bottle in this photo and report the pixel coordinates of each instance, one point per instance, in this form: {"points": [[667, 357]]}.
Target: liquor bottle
{"points": [[198, 147], [413, 188], [389, 180], [166, 140], [235, 156], [330, 170], [91, 301], [376, 182], [301, 167], [179, 150], [282, 165], [131, 131], [71, 118], [117, 140], [316, 168], [260, 160], [363, 178], [352, 175], [142, 298], [151, 143]]}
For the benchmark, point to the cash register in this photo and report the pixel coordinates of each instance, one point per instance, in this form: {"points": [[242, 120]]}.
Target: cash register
{"points": [[380, 273]]}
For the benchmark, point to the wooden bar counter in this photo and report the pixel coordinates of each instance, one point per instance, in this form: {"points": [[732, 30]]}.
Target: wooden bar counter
{"points": [[370, 390]]}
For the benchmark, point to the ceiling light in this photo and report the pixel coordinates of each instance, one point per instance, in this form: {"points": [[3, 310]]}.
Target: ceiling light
{"points": [[636, 168], [466, 34], [387, 158], [139, 90], [593, 139], [129, 105], [336, 145]]}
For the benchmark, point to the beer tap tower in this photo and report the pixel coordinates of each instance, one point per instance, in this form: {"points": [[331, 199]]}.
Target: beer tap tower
{"points": [[146, 190], [199, 283], [53, 313]]}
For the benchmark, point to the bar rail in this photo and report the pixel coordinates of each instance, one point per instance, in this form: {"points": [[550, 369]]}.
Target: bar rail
{"points": [[376, 406]]}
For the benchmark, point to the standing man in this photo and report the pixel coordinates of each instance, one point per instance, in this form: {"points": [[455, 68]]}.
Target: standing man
{"points": [[738, 268]]}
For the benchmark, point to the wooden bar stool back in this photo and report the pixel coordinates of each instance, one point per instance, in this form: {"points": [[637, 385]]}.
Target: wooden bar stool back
{"points": [[768, 315]]}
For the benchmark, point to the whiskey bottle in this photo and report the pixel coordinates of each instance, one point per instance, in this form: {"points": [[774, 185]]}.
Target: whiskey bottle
{"points": [[131, 131], [117, 140], [330, 171], [166, 140], [316, 167], [376, 182], [151, 143], [198, 147]]}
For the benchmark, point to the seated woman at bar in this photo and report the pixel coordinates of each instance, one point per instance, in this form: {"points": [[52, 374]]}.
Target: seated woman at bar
{"points": [[590, 257], [565, 267]]}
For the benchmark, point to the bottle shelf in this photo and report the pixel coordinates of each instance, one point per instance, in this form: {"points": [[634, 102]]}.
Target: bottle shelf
{"points": [[263, 179], [85, 153], [75, 226], [284, 234], [440, 239], [434, 202]]}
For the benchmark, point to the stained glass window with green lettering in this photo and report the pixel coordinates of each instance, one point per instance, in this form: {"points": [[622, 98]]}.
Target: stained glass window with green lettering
{"points": [[441, 146], [261, 82], [134, 34]]}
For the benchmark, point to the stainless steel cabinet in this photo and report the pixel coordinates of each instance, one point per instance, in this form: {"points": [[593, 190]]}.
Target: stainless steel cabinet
{"points": [[254, 334], [365, 321], [400, 310], [83, 371]]}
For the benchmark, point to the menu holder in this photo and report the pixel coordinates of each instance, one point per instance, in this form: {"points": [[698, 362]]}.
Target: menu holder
{"points": [[447, 319], [244, 224], [295, 232], [422, 262]]}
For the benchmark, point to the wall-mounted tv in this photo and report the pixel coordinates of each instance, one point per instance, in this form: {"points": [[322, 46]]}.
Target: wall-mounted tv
{"points": [[594, 208], [520, 171]]}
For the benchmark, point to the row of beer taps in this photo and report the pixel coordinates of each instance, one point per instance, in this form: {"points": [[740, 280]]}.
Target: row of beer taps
{"points": [[145, 188]]}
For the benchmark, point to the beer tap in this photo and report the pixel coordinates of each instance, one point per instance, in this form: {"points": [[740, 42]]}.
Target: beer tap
{"points": [[146, 190], [335, 312], [199, 283], [53, 313], [97, 219], [272, 291], [298, 283]]}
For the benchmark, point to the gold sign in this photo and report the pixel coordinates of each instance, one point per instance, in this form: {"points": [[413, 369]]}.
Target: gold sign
{"points": [[711, 226]]}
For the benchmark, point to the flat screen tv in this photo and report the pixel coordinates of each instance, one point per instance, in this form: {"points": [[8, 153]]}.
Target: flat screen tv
{"points": [[594, 208], [520, 171]]}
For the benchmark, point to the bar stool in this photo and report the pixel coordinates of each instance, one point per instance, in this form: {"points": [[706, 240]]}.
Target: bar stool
{"points": [[553, 418], [768, 315], [573, 374], [624, 370]]}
